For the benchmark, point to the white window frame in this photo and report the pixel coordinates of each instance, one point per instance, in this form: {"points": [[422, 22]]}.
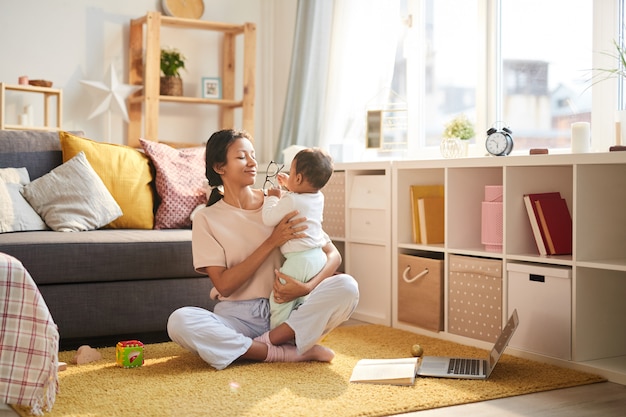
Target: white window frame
{"points": [[605, 95]]}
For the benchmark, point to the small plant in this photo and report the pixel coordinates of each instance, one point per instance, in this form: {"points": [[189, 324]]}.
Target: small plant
{"points": [[459, 127], [608, 73], [172, 61]]}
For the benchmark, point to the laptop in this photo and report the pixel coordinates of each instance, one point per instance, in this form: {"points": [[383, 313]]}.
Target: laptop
{"points": [[469, 368]]}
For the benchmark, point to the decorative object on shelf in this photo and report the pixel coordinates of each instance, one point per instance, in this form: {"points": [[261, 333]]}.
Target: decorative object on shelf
{"points": [[211, 87], [492, 219], [110, 93], [23, 80], [620, 127], [172, 61], [190, 9], [28, 117], [451, 147], [499, 141], [40, 83], [455, 137], [386, 122], [581, 134]]}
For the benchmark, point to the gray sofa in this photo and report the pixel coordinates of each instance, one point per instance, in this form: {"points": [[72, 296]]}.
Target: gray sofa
{"points": [[105, 285]]}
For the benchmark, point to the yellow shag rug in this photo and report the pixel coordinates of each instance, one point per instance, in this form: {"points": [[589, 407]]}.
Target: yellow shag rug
{"points": [[175, 383]]}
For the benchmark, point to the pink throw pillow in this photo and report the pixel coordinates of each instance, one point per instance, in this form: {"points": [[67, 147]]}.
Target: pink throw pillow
{"points": [[179, 182]]}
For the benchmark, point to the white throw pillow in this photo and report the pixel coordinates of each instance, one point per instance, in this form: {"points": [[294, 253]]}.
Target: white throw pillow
{"points": [[16, 215], [72, 197], [15, 175]]}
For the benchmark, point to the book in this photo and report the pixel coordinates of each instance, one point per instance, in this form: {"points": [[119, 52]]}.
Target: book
{"points": [[431, 220], [417, 192], [400, 371], [556, 223], [533, 217]]}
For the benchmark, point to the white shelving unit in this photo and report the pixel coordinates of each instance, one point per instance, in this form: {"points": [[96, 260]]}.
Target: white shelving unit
{"points": [[594, 186], [366, 244]]}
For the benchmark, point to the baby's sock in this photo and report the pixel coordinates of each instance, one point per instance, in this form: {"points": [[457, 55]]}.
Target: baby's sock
{"points": [[289, 353]]}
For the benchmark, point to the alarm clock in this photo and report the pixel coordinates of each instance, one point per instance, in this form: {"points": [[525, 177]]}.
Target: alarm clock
{"points": [[190, 9], [499, 141]]}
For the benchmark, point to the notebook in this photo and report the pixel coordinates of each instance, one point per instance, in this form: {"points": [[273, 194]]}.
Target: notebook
{"points": [[469, 368]]}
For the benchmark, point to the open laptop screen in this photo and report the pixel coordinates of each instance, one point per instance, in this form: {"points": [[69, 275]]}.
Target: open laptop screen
{"points": [[503, 339]]}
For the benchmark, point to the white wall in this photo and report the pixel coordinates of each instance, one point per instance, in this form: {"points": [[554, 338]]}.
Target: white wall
{"points": [[66, 41]]}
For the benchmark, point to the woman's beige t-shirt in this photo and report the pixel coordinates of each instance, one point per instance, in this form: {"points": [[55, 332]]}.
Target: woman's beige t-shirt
{"points": [[223, 235]]}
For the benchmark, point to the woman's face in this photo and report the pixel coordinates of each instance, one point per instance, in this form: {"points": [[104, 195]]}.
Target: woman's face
{"points": [[241, 164]]}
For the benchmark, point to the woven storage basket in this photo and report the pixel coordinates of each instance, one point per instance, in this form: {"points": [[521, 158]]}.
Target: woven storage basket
{"points": [[171, 86]]}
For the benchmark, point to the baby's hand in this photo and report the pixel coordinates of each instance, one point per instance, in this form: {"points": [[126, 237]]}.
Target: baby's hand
{"points": [[282, 178], [274, 192]]}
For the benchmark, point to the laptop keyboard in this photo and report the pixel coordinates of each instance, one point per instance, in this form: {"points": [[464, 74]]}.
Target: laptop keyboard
{"points": [[462, 366]]}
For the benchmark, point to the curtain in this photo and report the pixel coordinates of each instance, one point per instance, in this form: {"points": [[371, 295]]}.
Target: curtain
{"points": [[343, 57], [363, 52], [302, 116]]}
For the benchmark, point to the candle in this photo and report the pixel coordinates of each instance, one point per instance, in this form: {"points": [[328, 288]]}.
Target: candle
{"points": [[581, 133], [620, 122], [28, 110]]}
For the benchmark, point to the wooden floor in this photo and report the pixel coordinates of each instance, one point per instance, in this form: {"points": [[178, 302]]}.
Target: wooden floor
{"points": [[604, 399]]}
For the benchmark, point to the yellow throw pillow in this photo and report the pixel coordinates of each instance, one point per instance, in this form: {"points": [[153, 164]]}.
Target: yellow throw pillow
{"points": [[126, 173]]}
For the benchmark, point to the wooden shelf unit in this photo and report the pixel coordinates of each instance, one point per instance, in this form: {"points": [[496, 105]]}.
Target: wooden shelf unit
{"points": [[48, 93], [148, 73]]}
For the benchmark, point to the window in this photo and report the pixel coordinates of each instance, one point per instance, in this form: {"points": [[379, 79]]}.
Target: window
{"points": [[523, 64], [546, 63]]}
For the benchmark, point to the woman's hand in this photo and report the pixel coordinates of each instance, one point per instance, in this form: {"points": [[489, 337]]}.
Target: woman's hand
{"points": [[287, 289], [288, 228]]}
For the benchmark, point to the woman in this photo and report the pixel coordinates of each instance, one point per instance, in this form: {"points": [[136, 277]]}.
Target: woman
{"points": [[241, 257]]}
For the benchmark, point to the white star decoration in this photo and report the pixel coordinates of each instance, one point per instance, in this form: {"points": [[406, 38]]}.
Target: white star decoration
{"points": [[110, 94]]}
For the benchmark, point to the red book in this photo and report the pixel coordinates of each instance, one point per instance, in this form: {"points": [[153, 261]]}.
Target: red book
{"points": [[556, 223], [533, 217]]}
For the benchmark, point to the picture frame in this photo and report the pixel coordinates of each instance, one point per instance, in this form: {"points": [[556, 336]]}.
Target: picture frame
{"points": [[211, 87]]}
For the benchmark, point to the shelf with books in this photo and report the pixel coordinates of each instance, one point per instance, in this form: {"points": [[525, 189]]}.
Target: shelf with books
{"points": [[405, 213], [525, 180]]}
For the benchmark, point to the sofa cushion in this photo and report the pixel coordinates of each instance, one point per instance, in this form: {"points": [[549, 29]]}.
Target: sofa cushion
{"points": [[180, 175], [102, 255], [72, 197], [126, 173]]}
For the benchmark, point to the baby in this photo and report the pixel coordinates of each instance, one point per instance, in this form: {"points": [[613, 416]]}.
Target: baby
{"points": [[304, 258]]}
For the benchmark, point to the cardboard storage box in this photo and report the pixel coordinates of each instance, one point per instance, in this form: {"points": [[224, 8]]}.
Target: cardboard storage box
{"points": [[475, 297], [543, 297], [420, 292]]}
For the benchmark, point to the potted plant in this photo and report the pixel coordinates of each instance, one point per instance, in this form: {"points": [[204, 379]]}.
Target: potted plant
{"points": [[455, 137], [459, 127], [619, 72], [172, 61], [607, 73]]}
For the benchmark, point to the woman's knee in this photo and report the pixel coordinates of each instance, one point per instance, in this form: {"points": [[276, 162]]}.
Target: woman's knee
{"points": [[175, 322], [349, 286]]}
